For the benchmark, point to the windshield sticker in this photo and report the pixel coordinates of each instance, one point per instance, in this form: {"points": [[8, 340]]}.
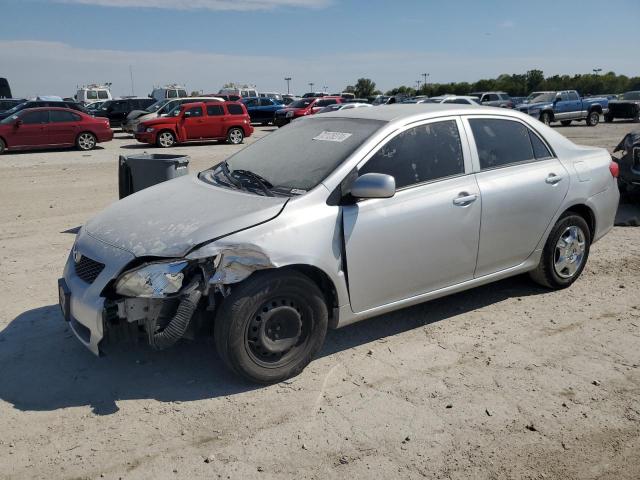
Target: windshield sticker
{"points": [[332, 136]]}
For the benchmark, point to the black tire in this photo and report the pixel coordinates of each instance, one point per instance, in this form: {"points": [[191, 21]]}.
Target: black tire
{"points": [[3, 146], [565, 123], [545, 118], [637, 117], [235, 136], [593, 118], [546, 273], [165, 139], [608, 118], [86, 141], [265, 302]]}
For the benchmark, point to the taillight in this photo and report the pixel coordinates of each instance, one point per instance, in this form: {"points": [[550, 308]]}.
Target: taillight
{"points": [[614, 168]]}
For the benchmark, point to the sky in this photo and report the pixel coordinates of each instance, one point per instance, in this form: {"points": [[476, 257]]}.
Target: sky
{"points": [[48, 47]]}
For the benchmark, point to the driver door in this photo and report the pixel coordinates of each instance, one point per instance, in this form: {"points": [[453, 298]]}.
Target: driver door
{"points": [[426, 236], [194, 123]]}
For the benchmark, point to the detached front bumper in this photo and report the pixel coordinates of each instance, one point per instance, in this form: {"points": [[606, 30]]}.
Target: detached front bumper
{"points": [[146, 137], [91, 265]]}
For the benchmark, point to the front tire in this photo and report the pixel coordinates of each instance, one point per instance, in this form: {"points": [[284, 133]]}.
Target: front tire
{"points": [[86, 141], [165, 139], [593, 119], [565, 254], [3, 146], [546, 118], [271, 326], [235, 136]]}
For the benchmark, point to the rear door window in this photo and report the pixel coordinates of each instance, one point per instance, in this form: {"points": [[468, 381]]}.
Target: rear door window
{"points": [[505, 142], [215, 110], [266, 102], [573, 96], [60, 116], [420, 154]]}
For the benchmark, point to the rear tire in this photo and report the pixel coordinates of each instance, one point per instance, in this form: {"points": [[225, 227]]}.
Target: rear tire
{"points": [[165, 139], [593, 119], [565, 253], [546, 118], [235, 136], [271, 326], [86, 141], [3, 146], [565, 123]]}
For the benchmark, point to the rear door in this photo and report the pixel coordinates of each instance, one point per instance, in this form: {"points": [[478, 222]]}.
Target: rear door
{"points": [[425, 237], [522, 186], [194, 123], [33, 130], [63, 127], [214, 119]]}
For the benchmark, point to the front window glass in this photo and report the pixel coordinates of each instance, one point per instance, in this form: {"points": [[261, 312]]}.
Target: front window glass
{"points": [[573, 96], [544, 97], [172, 94], [103, 94], [194, 112], [92, 95], [421, 154], [31, 118], [301, 155]]}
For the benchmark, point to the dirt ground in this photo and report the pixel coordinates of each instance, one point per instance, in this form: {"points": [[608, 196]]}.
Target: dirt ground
{"points": [[501, 382]]}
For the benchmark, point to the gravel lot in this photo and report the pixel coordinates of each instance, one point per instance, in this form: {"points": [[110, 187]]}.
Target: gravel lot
{"points": [[503, 381]]}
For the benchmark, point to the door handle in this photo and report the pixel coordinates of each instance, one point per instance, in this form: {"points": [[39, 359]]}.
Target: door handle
{"points": [[464, 199], [553, 179]]}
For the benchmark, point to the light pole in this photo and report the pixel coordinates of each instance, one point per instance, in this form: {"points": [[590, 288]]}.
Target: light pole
{"points": [[425, 75], [597, 71], [311, 84], [325, 88], [287, 79]]}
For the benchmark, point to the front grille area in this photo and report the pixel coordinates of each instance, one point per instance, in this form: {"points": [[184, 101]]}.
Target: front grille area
{"points": [[88, 269]]}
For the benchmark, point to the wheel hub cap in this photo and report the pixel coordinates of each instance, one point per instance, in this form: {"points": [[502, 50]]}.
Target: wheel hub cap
{"points": [[569, 252], [275, 329]]}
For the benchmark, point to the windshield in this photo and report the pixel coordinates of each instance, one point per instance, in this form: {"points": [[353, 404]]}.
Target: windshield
{"points": [[298, 157], [631, 96], [154, 107], [544, 97], [9, 119], [301, 103], [15, 109]]}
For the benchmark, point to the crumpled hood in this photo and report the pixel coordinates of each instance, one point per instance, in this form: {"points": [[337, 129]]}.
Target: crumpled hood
{"points": [[169, 219]]}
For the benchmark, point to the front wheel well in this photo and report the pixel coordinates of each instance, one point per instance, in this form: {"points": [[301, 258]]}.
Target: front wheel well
{"points": [[324, 283], [586, 213], [595, 108]]}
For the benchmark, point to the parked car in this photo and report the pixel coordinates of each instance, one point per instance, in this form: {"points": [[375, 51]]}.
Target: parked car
{"points": [[117, 110], [493, 99], [288, 99], [168, 91], [93, 93], [565, 107], [42, 102], [5, 89], [159, 109], [627, 107], [9, 103], [34, 128], [343, 106], [457, 99], [262, 110], [198, 121], [380, 100], [274, 95], [315, 95], [628, 159], [335, 219], [244, 92], [303, 107]]}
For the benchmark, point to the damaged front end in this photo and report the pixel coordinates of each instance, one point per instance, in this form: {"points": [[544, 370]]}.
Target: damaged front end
{"points": [[165, 301]]}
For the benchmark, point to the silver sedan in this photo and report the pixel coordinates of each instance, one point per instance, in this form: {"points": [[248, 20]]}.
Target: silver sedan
{"points": [[334, 219]]}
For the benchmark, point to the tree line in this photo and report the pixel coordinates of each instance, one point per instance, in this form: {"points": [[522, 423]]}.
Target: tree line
{"points": [[516, 85]]}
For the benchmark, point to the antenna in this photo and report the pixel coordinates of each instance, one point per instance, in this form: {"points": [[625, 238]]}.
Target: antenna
{"points": [[131, 75]]}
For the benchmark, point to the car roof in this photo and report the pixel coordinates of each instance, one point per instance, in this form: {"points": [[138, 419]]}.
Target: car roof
{"points": [[36, 109], [421, 111]]}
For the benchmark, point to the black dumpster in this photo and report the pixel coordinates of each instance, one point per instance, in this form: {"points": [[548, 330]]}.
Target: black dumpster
{"points": [[137, 172]]}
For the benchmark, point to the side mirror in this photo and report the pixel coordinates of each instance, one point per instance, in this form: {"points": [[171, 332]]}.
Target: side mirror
{"points": [[374, 185], [558, 98]]}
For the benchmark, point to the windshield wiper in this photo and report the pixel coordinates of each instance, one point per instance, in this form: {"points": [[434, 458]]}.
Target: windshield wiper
{"points": [[225, 171], [263, 183]]}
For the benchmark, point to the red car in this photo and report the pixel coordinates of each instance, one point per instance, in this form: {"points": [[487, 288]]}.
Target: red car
{"points": [[198, 121], [302, 107], [51, 127]]}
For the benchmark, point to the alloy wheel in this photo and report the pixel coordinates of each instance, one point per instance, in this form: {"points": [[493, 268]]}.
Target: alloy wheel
{"points": [[569, 252]]}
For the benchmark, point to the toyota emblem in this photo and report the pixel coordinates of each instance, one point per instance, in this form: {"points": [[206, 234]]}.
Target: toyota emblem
{"points": [[77, 256]]}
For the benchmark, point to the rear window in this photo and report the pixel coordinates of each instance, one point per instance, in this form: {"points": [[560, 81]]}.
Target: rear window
{"points": [[103, 95], [235, 109], [92, 95]]}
